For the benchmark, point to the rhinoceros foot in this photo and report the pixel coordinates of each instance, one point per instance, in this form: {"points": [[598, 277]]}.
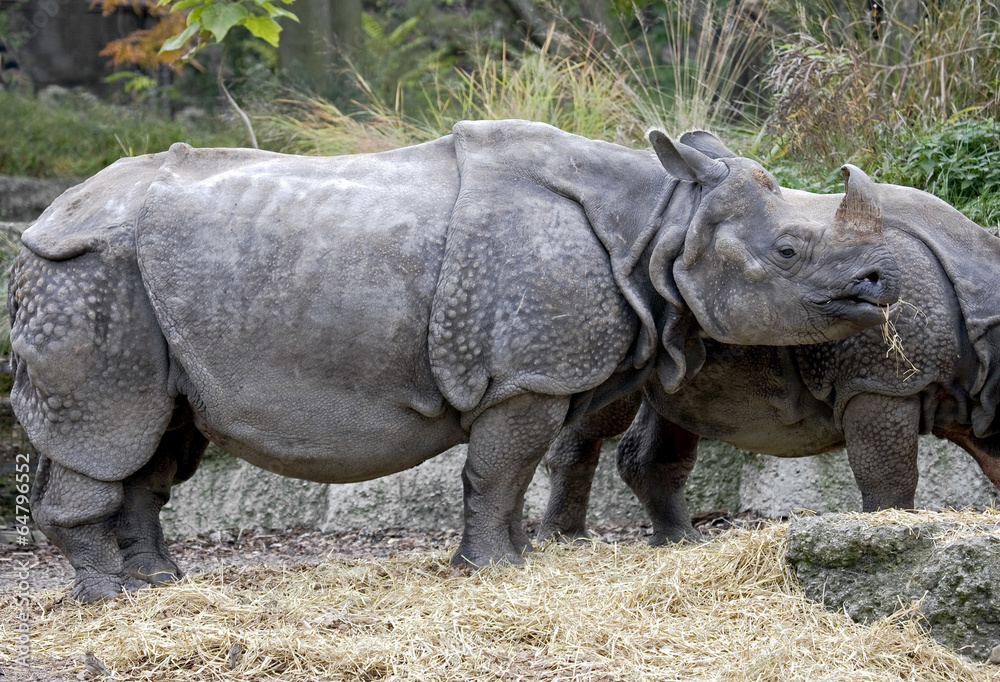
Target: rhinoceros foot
{"points": [[92, 586], [564, 536], [667, 537], [473, 559], [508, 546], [152, 568]]}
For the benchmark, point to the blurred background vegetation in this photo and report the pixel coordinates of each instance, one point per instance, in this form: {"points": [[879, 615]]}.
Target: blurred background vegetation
{"points": [[906, 89]]}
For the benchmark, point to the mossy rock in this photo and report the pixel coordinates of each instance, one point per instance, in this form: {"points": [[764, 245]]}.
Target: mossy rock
{"points": [[871, 571]]}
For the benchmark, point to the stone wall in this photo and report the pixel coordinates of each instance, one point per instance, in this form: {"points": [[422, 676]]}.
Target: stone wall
{"points": [[23, 199], [57, 42], [229, 493]]}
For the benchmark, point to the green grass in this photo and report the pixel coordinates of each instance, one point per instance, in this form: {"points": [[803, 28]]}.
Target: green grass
{"points": [[958, 161], [74, 135]]}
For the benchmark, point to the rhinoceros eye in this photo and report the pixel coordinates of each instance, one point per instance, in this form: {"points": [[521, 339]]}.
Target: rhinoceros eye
{"points": [[786, 252]]}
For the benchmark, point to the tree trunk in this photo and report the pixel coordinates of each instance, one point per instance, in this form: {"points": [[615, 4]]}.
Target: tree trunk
{"points": [[532, 19], [326, 29]]}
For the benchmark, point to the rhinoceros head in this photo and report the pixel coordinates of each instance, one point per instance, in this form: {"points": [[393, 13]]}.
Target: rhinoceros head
{"points": [[754, 270]]}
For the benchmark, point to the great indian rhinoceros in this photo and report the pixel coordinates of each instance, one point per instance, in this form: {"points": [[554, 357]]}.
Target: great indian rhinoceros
{"points": [[340, 319], [943, 377]]}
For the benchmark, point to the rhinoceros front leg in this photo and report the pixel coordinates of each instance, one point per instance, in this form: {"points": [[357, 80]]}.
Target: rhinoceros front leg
{"points": [[140, 535], [882, 437], [505, 445], [655, 458], [78, 514], [571, 463]]}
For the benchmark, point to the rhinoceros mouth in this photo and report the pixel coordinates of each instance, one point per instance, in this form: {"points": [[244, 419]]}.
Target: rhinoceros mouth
{"points": [[857, 309]]}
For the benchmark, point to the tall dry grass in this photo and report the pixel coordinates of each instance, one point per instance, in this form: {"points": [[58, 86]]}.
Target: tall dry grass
{"points": [[841, 95], [583, 84]]}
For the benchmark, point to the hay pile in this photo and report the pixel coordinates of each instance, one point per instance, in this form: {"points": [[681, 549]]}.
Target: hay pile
{"points": [[723, 610]]}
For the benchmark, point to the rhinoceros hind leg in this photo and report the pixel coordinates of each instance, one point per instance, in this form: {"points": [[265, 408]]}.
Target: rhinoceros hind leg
{"points": [[655, 458], [140, 535], [505, 446], [882, 438], [77, 514], [571, 463], [986, 451]]}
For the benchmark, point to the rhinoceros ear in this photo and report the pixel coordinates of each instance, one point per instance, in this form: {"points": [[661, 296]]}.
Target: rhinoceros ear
{"points": [[859, 215], [708, 144], [687, 163]]}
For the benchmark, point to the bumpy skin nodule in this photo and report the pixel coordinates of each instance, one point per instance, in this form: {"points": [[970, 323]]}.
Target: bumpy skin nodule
{"points": [[339, 319], [806, 400]]}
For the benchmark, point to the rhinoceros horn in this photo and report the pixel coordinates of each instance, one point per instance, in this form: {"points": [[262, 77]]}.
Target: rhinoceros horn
{"points": [[687, 163], [859, 215]]}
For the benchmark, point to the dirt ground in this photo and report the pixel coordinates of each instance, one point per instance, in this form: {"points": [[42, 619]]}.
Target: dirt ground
{"points": [[285, 547]]}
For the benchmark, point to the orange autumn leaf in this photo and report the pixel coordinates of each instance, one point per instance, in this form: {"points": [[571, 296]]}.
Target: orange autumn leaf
{"points": [[150, 7], [142, 48]]}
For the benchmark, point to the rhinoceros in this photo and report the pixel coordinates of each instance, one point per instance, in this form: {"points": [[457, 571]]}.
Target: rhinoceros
{"points": [[942, 376], [340, 319]]}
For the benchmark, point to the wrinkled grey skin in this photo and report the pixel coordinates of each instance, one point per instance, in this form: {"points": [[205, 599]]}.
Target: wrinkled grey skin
{"points": [[340, 319], [805, 400]]}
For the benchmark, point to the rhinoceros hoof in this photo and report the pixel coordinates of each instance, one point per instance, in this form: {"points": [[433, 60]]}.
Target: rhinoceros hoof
{"points": [[658, 539], [153, 569], [94, 587], [466, 557], [566, 536]]}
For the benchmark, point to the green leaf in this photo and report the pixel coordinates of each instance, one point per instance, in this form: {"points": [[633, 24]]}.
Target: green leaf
{"points": [[399, 34], [274, 11], [182, 5], [264, 28], [371, 27], [179, 40], [218, 19]]}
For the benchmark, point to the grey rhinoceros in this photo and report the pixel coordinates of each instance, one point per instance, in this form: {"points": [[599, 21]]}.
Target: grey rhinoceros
{"points": [[339, 319], [804, 400]]}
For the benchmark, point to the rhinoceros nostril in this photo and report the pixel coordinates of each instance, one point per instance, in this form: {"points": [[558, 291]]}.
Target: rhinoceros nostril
{"points": [[871, 277]]}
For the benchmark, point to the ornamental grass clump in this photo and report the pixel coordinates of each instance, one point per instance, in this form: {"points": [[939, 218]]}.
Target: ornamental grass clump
{"points": [[727, 609]]}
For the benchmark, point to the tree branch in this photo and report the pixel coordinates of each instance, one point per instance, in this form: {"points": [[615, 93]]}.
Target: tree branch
{"points": [[234, 105]]}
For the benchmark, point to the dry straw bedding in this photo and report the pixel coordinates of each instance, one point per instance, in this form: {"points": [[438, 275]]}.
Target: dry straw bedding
{"points": [[728, 609]]}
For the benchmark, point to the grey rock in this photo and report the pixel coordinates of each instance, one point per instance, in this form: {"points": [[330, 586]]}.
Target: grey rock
{"points": [[24, 199], [871, 571]]}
